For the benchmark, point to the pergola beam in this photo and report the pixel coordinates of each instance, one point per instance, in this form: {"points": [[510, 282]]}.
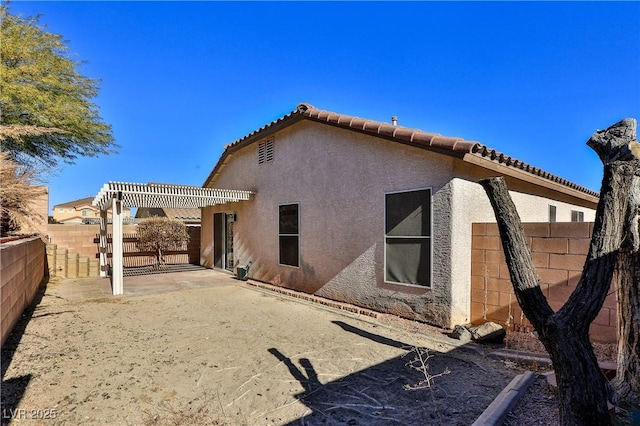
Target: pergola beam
{"points": [[160, 195]]}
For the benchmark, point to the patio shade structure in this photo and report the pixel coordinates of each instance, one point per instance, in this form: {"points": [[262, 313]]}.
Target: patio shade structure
{"points": [[116, 195]]}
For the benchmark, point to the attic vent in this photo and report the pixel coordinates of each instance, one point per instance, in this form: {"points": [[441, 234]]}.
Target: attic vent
{"points": [[265, 151]]}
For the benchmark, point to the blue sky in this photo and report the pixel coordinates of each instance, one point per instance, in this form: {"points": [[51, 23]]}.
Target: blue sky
{"points": [[179, 80]]}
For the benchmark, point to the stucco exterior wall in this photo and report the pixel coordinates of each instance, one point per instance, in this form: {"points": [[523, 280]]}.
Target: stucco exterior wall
{"points": [[76, 215], [339, 178], [40, 208], [329, 173]]}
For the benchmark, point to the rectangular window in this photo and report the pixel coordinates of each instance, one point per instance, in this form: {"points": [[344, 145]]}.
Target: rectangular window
{"points": [[577, 216], [552, 214], [265, 151], [86, 212], [408, 237], [289, 234]]}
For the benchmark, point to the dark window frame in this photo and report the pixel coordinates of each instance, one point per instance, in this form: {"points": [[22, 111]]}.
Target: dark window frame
{"points": [[577, 216], [289, 234], [553, 213], [392, 238]]}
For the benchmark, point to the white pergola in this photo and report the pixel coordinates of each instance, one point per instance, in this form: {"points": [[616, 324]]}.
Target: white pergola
{"points": [[116, 195]]}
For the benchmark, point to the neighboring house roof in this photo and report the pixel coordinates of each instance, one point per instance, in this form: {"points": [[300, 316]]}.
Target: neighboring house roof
{"points": [[470, 151], [75, 203], [81, 202], [182, 214]]}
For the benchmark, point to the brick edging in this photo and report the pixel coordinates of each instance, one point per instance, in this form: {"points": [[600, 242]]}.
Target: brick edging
{"points": [[315, 299]]}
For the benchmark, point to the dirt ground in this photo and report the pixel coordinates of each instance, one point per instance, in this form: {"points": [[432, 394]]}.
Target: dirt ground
{"points": [[233, 355]]}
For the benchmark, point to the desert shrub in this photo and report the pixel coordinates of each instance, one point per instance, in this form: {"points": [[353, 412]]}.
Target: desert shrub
{"points": [[160, 234], [18, 189]]}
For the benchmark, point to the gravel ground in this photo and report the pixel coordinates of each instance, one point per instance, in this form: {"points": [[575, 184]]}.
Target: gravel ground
{"points": [[233, 355], [538, 406]]}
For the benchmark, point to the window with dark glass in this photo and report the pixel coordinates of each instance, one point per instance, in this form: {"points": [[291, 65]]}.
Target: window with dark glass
{"points": [[552, 214], [577, 216], [289, 234], [408, 237]]}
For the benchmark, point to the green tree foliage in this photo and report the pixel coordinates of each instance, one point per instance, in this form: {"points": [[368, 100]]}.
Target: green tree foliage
{"points": [[159, 234], [47, 112]]}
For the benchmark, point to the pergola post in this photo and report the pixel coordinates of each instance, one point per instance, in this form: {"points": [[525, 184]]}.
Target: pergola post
{"points": [[117, 271], [102, 247]]}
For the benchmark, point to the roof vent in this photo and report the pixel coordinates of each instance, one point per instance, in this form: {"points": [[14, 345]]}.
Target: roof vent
{"points": [[394, 120]]}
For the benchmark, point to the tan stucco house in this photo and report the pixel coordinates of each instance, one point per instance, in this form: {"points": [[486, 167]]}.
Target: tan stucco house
{"points": [[80, 211], [369, 213]]}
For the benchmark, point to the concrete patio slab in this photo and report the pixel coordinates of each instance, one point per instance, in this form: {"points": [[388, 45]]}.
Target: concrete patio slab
{"points": [[97, 288]]}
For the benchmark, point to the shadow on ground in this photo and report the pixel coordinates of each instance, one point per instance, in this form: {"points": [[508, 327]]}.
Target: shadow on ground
{"points": [[422, 386], [14, 388]]}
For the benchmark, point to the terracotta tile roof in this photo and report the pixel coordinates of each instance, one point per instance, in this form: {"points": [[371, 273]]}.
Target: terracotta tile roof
{"points": [[386, 130], [376, 128], [81, 202], [500, 158], [448, 145]]}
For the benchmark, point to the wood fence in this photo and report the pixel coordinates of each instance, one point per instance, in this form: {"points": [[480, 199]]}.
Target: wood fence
{"points": [[134, 257]]}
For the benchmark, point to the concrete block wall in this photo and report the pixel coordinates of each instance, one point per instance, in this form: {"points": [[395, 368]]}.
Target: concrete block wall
{"points": [[79, 238], [72, 252], [66, 264], [558, 250], [23, 268], [61, 263]]}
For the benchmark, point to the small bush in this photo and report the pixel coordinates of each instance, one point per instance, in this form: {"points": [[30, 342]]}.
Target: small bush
{"points": [[159, 234]]}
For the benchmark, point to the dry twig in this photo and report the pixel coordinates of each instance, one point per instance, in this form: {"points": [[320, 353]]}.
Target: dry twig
{"points": [[421, 359]]}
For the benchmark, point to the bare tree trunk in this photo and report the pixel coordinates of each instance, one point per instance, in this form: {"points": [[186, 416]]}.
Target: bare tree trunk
{"points": [[581, 387], [626, 384], [619, 143], [565, 334], [159, 258]]}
